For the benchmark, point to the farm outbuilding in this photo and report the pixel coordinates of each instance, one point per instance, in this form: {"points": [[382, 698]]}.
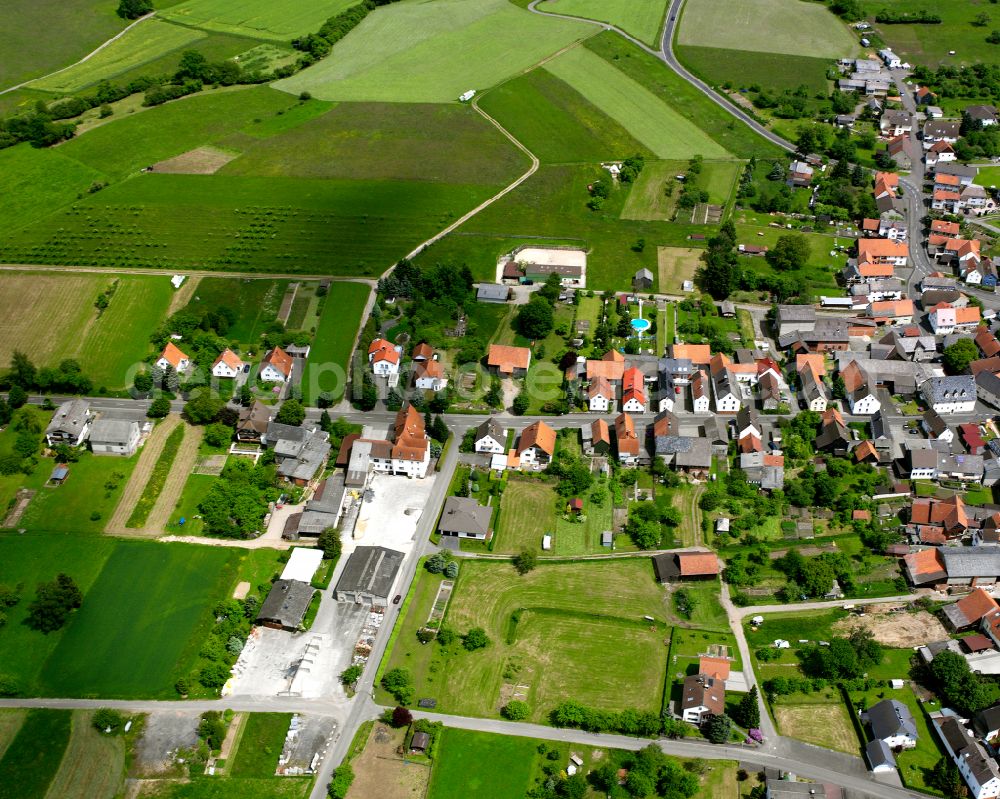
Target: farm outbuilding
{"points": [[369, 576], [286, 605]]}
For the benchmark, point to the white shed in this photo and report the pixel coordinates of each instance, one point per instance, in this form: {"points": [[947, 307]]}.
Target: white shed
{"points": [[546, 542]]}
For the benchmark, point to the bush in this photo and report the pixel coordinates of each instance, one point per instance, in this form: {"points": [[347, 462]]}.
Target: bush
{"points": [[399, 684], [401, 717], [182, 686], [9, 686], [475, 639], [351, 674], [515, 710], [340, 782], [107, 720], [212, 729]]}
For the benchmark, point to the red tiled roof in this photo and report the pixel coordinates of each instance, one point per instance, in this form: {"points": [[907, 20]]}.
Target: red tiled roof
{"points": [[694, 564]]}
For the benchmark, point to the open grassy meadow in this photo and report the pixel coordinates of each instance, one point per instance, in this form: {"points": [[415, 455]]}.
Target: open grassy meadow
{"points": [[260, 745], [434, 51], [331, 352], [744, 68], [527, 512], [480, 764], [52, 316], [652, 121], [124, 147], [93, 765], [32, 759], [768, 26], [822, 724], [258, 18], [556, 122], [72, 29], [34, 182], [203, 787], [550, 649], [385, 141], [642, 18], [653, 197], [675, 265], [685, 100], [177, 222], [145, 42], [10, 722], [170, 591], [929, 45]]}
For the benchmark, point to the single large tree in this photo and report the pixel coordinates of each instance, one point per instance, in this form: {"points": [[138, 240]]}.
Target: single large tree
{"points": [[749, 709], [791, 252], [291, 412], [958, 356], [53, 603], [536, 319]]}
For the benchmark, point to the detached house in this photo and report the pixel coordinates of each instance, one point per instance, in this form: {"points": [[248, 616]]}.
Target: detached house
{"points": [[509, 361], [953, 394], [228, 364], [276, 366], [945, 319], [537, 445], [633, 391], [490, 438], [172, 356], [941, 130], [70, 424], [429, 376], [701, 698], [895, 123], [384, 357], [600, 395], [892, 723], [977, 768]]}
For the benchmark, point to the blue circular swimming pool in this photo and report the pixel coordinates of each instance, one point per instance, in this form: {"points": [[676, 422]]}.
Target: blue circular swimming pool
{"points": [[640, 325]]}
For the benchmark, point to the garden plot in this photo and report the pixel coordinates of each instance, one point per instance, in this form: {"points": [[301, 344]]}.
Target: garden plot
{"points": [[380, 771]]}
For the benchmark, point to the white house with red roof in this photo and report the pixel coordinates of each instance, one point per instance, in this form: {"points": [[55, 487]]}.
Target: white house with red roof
{"points": [[384, 357], [173, 356], [633, 391], [276, 366], [228, 364]]}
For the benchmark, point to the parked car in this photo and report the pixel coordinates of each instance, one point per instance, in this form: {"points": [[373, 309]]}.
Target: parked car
{"points": [[395, 599]]}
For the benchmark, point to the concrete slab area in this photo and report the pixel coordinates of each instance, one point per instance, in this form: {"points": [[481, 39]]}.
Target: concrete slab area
{"points": [[390, 518]]}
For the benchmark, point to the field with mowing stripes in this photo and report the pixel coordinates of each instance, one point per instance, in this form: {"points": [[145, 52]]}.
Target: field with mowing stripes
{"points": [[170, 590], [556, 122], [768, 26], [552, 649], [432, 52], [260, 745], [33, 757], [147, 41], [654, 195], [654, 123], [279, 21], [527, 513], [642, 18], [52, 316], [675, 265], [93, 765], [826, 725], [338, 325], [480, 764]]}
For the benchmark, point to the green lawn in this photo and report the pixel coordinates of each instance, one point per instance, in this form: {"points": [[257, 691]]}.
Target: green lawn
{"points": [[745, 68], [527, 512], [433, 52], [654, 194], [71, 30], [653, 122], [331, 351], [33, 757], [642, 18], [718, 179], [584, 538], [279, 21], [142, 647], [481, 764], [36, 182], [559, 624], [687, 646], [988, 176], [385, 141], [94, 486], [260, 745], [708, 613], [150, 40], [195, 490], [557, 123], [768, 26]]}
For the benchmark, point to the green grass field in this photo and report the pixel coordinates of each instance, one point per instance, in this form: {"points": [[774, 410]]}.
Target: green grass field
{"points": [[767, 26], [642, 18], [259, 18], [33, 183], [127, 145], [177, 222], [70, 506], [33, 757], [170, 591], [654, 195], [386, 141], [988, 176], [745, 68], [556, 122], [433, 52], [653, 122], [150, 40], [561, 640], [929, 45], [685, 99], [10, 722], [260, 745], [527, 512], [71, 30], [331, 352], [234, 788], [256, 303], [93, 765], [481, 764], [195, 490]]}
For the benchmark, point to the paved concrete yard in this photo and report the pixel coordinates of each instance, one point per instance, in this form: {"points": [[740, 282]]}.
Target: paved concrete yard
{"points": [[390, 519]]}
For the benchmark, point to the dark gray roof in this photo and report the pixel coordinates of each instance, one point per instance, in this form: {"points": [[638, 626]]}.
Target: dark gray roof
{"points": [[464, 515], [70, 417], [329, 494], [957, 738], [286, 603], [889, 718], [370, 570], [934, 422], [988, 720], [787, 789], [796, 313], [491, 427], [954, 388], [697, 455], [879, 754]]}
